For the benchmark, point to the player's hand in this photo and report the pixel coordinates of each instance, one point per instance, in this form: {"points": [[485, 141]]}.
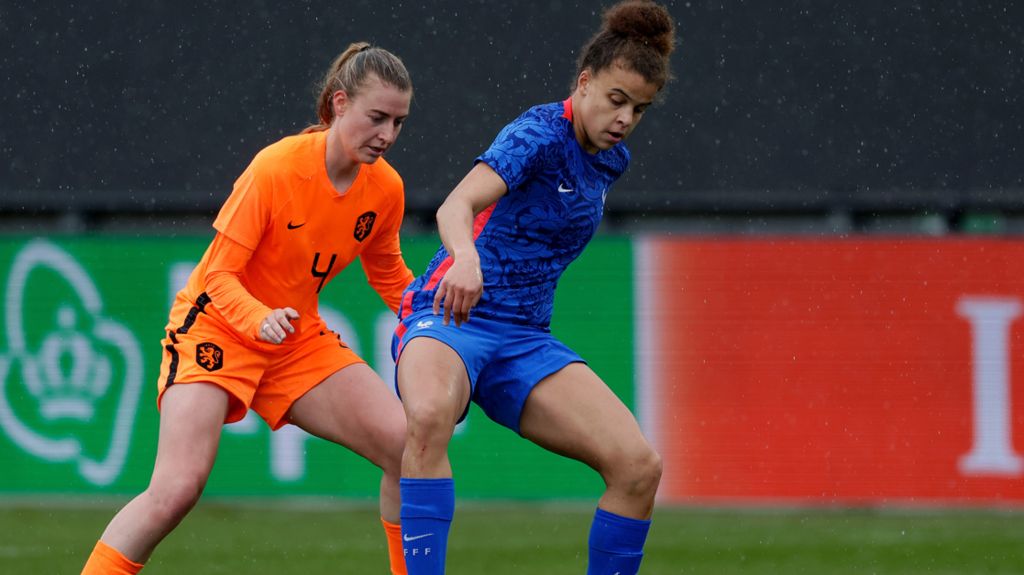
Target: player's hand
{"points": [[459, 291], [277, 325]]}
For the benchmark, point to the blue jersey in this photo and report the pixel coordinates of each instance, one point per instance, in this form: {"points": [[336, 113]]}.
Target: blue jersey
{"points": [[554, 204]]}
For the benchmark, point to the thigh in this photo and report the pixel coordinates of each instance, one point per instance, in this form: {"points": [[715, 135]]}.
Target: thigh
{"points": [[191, 419], [573, 413], [353, 407], [438, 365], [296, 370], [433, 381]]}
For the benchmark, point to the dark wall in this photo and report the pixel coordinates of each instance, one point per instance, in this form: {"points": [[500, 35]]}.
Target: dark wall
{"points": [[167, 101]]}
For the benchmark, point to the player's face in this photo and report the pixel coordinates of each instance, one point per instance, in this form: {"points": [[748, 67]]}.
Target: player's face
{"points": [[369, 123], [608, 106]]}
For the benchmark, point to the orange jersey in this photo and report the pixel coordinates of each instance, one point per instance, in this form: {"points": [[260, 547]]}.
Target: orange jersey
{"points": [[301, 232]]}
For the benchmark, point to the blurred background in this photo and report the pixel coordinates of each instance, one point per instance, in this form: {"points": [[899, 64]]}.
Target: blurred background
{"points": [[808, 286], [803, 117]]}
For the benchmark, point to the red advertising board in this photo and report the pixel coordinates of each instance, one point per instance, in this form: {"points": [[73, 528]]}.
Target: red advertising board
{"points": [[840, 371]]}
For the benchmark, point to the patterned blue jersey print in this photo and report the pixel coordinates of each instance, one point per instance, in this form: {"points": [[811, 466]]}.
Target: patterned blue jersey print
{"points": [[555, 200]]}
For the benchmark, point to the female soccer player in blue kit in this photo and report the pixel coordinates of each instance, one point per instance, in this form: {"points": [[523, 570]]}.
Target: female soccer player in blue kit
{"points": [[522, 214]]}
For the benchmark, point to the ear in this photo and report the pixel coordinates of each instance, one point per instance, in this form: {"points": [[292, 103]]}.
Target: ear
{"points": [[340, 101], [583, 81]]}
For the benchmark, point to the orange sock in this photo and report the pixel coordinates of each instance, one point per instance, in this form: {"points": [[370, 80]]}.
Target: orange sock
{"points": [[105, 560], [395, 553]]}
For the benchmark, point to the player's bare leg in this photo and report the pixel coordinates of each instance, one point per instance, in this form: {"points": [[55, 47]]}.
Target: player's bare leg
{"points": [[191, 418], [435, 391], [573, 413], [353, 407]]}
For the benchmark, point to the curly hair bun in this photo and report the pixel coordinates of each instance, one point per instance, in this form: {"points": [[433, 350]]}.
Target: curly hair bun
{"points": [[643, 20]]}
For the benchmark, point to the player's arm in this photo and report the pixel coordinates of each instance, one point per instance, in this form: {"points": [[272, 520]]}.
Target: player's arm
{"points": [[388, 276], [462, 285], [241, 223], [385, 267], [228, 259]]}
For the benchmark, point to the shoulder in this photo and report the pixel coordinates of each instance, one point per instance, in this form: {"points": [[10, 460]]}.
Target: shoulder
{"points": [[534, 141], [545, 122], [384, 176], [533, 135], [295, 154]]}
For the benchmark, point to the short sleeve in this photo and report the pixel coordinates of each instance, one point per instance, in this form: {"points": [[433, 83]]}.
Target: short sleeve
{"points": [[520, 149], [246, 213]]}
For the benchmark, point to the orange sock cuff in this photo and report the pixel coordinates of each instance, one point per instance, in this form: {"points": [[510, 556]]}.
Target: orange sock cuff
{"points": [[105, 560], [395, 553]]}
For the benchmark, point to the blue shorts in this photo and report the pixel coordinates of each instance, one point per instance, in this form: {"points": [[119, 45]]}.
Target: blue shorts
{"points": [[504, 361]]}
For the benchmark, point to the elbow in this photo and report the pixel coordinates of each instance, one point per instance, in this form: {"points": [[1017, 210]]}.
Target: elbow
{"points": [[441, 211], [218, 281], [455, 210], [214, 277]]}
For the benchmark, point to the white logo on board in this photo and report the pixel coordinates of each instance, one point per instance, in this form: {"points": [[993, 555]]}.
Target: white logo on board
{"points": [[51, 384]]}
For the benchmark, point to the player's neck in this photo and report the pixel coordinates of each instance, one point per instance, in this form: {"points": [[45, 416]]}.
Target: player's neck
{"points": [[343, 179], [578, 129], [341, 170]]}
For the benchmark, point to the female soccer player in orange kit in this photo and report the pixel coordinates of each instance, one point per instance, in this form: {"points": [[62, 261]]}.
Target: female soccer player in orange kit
{"points": [[245, 332], [509, 229]]}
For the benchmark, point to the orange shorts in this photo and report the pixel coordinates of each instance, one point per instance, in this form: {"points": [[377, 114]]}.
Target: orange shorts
{"points": [[264, 377]]}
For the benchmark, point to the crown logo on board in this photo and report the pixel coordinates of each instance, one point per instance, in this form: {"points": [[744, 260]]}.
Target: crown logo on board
{"points": [[66, 376]]}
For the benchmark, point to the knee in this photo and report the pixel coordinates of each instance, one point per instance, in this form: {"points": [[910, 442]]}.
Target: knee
{"points": [[653, 469], [172, 499], [637, 472], [429, 422]]}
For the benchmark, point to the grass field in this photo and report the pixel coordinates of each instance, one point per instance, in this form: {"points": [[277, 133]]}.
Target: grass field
{"points": [[500, 539]]}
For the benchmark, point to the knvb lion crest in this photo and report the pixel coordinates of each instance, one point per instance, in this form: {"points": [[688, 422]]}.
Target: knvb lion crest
{"points": [[209, 356], [70, 377], [364, 225]]}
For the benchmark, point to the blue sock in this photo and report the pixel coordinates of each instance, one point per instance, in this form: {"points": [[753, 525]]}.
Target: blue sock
{"points": [[427, 509], [616, 544]]}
